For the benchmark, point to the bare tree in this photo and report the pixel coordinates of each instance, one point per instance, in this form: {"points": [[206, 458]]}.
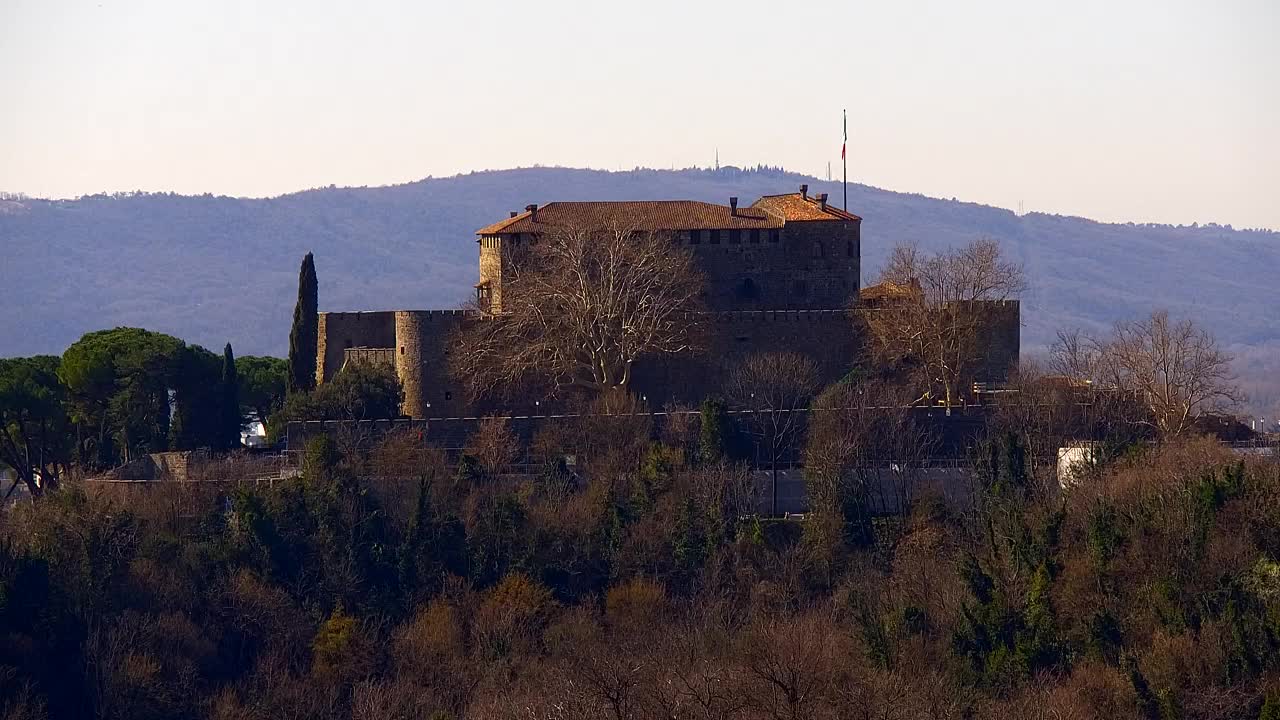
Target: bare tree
{"points": [[774, 388], [1173, 368], [935, 322], [864, 446], [791, 665], [579, 308], [1104, 411]]}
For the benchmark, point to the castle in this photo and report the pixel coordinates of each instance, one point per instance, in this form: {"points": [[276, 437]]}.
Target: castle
{"points": [[780, 275]]}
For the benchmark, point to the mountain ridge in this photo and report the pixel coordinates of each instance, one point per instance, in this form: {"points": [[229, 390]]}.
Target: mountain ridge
{"points": [[13, 201]]}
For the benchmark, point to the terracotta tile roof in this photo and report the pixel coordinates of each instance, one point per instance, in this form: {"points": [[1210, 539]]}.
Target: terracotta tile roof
{"points": [[637, 215], [794, 206], [889, 290], [1066, 382]]}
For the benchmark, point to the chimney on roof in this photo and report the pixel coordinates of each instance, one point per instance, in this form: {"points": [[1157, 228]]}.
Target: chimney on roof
{"points": [[514, 213], [804, 191], [733, 206], [822, 200], [533, 212]]}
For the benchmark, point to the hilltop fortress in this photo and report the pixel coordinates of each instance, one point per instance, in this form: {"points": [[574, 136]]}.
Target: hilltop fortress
{"points": [[780, 275]]}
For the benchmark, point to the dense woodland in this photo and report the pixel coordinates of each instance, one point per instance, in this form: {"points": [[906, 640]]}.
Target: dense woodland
{"points": [[395, 581]]}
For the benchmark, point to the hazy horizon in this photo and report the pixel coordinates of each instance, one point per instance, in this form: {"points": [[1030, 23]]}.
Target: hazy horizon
{"points": [[1150, 112], [955, 198]]}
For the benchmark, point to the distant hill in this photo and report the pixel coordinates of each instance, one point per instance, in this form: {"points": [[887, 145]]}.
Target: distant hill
{"points": [[212, 269]]}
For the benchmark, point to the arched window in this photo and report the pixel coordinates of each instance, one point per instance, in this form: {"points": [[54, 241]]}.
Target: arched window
{"points": [[747, 289]]}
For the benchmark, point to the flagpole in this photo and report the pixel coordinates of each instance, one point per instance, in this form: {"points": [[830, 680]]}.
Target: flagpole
{"points": [[844, 162]]}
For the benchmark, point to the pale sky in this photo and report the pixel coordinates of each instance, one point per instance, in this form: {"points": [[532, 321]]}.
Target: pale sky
{"points": [[1160, 110]]}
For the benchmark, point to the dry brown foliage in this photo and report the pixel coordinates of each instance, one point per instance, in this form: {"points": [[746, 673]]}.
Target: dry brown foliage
{"points": [[431, 651], [511, 616], [493, 445]]}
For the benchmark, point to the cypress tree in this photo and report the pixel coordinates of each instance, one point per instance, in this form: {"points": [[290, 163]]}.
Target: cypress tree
{"points": [[303, 336], [229, 418], [712, 441]]}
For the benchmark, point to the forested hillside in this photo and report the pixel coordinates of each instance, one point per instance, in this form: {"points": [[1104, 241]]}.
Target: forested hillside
{"points": [[396, 583], [211, 269]]}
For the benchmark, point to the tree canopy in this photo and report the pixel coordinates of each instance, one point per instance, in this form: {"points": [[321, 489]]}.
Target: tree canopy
{"points": [[360, 392], [35, 437], [262, 385], [135, 391]]}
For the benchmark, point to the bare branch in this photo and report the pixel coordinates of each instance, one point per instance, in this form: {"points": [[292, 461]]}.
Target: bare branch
{"points": [[579, 308]]}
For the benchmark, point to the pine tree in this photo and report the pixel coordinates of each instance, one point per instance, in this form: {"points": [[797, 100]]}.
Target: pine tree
{"points": [[303, 337], [229, 418]]}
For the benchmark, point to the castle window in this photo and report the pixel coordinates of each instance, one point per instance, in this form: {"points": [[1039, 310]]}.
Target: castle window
{"points": [[715, 237], [800, 289], [747, 289], [774, 236], [735, 237], [401, 349], [695, 237], [755, 235], [817, 249], [448, 395]]}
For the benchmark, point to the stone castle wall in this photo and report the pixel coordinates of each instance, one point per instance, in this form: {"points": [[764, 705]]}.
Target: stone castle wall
{"points": [[420, 343], [770, 290], [491, 269], [805, 265], [338, 331], [1000, 337], [813, 266], [829, 337], [369, 357], [424, 344]]}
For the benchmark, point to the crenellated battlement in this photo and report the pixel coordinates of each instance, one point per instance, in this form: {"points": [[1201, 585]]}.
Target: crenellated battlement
{"points": [[376, 315], [775, 316], [367, 356]]}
